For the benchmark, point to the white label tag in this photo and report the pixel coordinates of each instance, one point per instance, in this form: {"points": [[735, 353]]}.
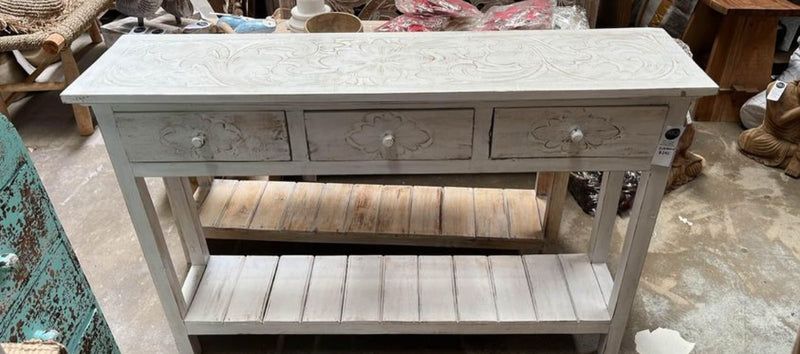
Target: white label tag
{"points": [[777, 91], [689, 118], [666, 148]]}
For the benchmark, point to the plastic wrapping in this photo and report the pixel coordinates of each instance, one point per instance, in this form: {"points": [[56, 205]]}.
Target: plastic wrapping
{"points": [[525, 15], [414, 23], [585, 188], [448, 8], [570, 18]]}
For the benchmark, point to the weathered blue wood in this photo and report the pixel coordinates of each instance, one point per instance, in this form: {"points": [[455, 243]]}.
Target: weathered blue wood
{"points": [[46, 289]]}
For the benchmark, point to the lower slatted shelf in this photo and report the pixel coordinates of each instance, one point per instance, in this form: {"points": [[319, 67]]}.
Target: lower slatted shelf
{"points": [[401, 294], [373, 214]]}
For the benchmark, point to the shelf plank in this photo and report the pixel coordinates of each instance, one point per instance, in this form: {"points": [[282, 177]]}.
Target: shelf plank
{"points": [[302, 210], [474, 293], [425, 211], [216, 200], [325, 289], [271, 207], [550, 293], [395, 210], [523, 214], [400, 293], [586, 295], [437, 301], [512, 292], [491, 219], [458, 212], [333, 207], [362, 215], [252, 288], [242, 205], [216, 287], [362, 297], [289, 289]]}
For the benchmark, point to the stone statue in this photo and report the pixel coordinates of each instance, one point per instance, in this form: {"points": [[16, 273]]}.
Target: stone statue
{"points": [[687, 165], [775, 142]]}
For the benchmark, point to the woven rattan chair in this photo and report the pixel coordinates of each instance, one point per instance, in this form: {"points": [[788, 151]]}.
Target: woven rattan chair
{"points": [[53, 38]]}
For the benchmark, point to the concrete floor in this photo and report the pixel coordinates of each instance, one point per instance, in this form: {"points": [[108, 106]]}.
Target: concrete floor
{"points": [[727, 279]]}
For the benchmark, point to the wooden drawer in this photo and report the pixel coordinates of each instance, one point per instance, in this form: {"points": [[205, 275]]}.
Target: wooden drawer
{"points": [[95, 339], [28, 228], [576, 131], [59, 299], [390, 135], [193, 136], [12, 152]]}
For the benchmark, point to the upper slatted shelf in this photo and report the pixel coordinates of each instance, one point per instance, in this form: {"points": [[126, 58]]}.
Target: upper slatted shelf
{"points": [[401, 294], [376, 214]]}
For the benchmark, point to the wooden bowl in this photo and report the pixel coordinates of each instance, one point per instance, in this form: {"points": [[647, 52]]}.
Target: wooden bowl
{"points": [[334, 22]]}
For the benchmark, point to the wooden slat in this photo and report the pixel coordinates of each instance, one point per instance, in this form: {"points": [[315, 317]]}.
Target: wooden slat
{"points": [[333, 207], [221, 191], [302, 209], [252, 288], [474, 294], [586, 296], [242, 205], [425, 211], [362, 296], [362, 212], [604, 279], [512, 292], [490, 213], [523, 213], [550, 294], [437, 301], [289, 289], [458, 212], [214, 292], [400, 293], [325, 289], [393, 215], [272, 206]]}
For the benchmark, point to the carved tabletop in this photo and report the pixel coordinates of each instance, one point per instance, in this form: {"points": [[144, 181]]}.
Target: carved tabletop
{"points": [[459, 66]]}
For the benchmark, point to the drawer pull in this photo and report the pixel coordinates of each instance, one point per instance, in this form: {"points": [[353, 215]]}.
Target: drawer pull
{"points": [[576, 135], [48, 335], [199, 140], [8, 260], [388, 140]]}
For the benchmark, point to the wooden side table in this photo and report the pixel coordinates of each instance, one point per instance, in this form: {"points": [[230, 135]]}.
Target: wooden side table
{"points": [[737, 38]]}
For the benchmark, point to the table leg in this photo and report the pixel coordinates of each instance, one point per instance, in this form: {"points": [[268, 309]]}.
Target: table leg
{"points": [[740, 62]]}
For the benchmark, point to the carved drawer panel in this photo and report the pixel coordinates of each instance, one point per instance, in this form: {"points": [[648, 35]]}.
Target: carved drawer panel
{"points": [[390, 135], [576, 131], [213, 136]]}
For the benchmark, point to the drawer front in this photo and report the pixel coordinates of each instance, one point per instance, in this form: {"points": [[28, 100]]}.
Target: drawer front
{"points": [[390, 135], [28, 228], [193, 136], [577, 131], [12, 152], [59, 299], [96, 338]]}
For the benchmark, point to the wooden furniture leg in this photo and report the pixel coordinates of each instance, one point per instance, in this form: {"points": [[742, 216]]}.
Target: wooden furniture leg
{"points": [[83, 116], [606, 213], [94, 32], [555, 183], [701, 31], [740, 62]]}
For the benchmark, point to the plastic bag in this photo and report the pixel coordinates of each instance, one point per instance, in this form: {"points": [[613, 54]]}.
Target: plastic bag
{"points": [[570, 18], [449, 8], [585, 188], [414, 23], [525, 15]]}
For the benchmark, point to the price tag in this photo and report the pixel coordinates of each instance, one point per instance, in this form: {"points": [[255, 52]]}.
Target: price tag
{"points": [[777, 91], [666, 147]]}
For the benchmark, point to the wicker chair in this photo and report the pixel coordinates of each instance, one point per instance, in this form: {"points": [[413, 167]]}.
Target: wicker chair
{"points": [[54, 41]]}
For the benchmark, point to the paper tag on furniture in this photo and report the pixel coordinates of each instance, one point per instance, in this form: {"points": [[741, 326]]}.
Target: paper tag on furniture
{"points": [[666, 147], [777, 91]]}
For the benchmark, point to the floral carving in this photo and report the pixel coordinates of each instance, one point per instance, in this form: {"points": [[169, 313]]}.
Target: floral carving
{"points": [[555, 133], [227, 138], [408, 136]]}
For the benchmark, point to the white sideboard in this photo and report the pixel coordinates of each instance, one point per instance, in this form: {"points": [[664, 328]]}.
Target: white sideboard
{"points": [[405, 103]]}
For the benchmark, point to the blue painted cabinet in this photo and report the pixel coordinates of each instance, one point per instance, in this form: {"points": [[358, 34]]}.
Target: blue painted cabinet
{"points": [[42, 287]]}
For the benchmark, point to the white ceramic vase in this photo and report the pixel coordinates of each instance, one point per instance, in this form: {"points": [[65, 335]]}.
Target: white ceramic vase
{"points": [[304, 10]]}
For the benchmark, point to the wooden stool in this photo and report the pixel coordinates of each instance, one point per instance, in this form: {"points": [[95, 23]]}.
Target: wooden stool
{"points": [[740, 36]]}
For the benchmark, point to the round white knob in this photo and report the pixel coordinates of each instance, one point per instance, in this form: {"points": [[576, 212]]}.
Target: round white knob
{"points": [[198, 141], [388, 140], [8, 260], [576, 135]]}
